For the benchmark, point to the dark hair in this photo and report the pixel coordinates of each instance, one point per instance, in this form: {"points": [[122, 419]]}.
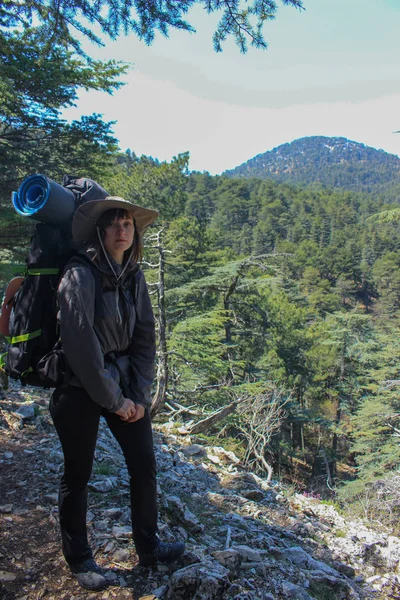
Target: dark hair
{"points": [[120, 213]]}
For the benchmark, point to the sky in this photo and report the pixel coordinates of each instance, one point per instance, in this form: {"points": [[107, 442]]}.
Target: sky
{"points": [[331, 70]]}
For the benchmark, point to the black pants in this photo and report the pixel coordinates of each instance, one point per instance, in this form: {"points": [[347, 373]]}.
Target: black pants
{"points": [[76, 418]]}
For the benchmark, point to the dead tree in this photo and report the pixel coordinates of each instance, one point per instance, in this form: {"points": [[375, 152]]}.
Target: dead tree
{"points": [[261, 417], [162, 354], [218, 415]]}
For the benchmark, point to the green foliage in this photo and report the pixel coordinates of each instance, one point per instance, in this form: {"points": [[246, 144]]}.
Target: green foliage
{"points": [[269, 285], [241, 20], [386, 275], [150, 183], [199, 343], [33, 138]]}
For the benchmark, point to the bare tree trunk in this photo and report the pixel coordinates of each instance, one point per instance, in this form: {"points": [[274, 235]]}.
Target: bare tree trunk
{"points": [[329, 481], [208, 422], [335, 439], [303, 448], [162, 367], [262, 417]]}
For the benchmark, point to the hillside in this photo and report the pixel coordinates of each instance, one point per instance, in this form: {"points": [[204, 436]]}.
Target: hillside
{"points": [[246, 539], [330, 161]]}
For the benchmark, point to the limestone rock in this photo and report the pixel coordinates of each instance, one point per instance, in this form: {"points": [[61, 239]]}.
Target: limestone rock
{"points": [[183, 515], [346, 570], [194, 450], [112, 513], [121, 555], [219, 455], [104, 485], [301, 558], [101, 525], [160, 591], [202, 581], [7, 576], [122, 532], [248, 554], [291, 590], [51, 498], [26, 411], [231, 559]]}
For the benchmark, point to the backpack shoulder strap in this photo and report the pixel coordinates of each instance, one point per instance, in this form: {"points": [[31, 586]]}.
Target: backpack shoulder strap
{"points": [[98, 295]]}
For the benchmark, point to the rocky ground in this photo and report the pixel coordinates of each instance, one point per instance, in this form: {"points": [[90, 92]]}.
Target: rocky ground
{"points": [[245, 539]]}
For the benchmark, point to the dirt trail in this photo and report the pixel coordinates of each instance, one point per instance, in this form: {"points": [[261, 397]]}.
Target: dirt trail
{"points": [[31, 564]]}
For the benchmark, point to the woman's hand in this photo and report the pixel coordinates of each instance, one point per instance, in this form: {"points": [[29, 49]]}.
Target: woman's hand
{"points": [[139, 414], [127, 410]]}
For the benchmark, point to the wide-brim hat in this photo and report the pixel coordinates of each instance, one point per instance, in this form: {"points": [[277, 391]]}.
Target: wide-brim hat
{"points": [[88, 213]]}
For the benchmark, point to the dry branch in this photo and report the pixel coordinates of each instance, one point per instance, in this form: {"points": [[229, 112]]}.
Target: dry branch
{"points": [[262, 416], [205, 424]]}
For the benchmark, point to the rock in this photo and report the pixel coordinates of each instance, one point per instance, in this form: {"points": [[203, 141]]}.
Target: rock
{"points": [[202, 581], [326, 580], [191, 521], [248, 554], [182, 514], [121, 555], [101, 525], [346, 570], [21, 510], [103, 486], [8, 455], [6, 508], [89, 516], [290, 590], [51, 498], [194, 450], [373, 579], [112, 578], [125, 517], [237, 520], [231, 559], [253, 494], [372, 553], [160, 591], [7, 576], [26, 412], [220, 455], [109, 547], [113, 513], [301, 558], [122, 532]]}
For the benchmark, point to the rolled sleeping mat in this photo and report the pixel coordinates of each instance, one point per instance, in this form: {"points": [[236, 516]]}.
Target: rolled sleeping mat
{"points": [[44, 200]]}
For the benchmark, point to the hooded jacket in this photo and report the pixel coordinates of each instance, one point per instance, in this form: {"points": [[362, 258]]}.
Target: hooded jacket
{"points": [[126, 329]]}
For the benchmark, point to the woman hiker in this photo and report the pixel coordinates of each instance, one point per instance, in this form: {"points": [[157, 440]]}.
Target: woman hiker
{"points": [[108, 336]]}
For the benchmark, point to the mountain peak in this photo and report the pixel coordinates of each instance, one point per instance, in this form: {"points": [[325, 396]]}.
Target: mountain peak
{"points": [[328, 161]]}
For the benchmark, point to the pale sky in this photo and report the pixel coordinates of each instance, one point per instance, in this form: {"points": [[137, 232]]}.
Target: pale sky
{"points": [[331, 70]]}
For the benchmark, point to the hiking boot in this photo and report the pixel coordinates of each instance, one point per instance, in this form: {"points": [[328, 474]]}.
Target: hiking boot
{"points": [[89, 574], [163, 553]]}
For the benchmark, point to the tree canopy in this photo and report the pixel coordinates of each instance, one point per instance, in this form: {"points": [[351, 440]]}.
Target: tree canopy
{"points": [[61, 18]]}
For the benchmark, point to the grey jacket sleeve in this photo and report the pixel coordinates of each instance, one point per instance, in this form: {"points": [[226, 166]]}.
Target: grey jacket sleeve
{"points": [[142, 349], [80, 343]]}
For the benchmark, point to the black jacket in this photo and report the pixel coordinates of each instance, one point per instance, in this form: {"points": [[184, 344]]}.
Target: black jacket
{"points": [[87, 339]]}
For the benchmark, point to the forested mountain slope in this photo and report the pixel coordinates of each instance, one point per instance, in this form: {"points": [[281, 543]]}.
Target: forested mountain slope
{"points": [[282, 303], [329, 161]]}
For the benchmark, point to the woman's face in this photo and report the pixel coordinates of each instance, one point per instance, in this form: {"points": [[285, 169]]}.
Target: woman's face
{"points": [[119, 237]]}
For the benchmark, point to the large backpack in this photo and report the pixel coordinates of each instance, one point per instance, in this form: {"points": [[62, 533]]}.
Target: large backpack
{"points": [[34, 354]]}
